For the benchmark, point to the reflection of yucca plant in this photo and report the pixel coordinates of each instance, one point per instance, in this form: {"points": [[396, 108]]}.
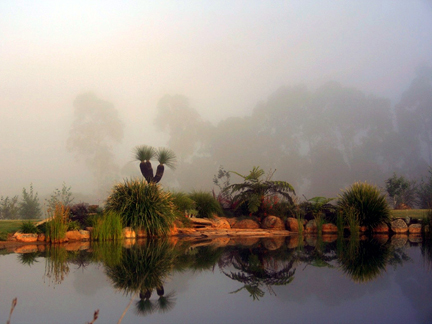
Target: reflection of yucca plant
{"points": [[143, 205], [107, 227], [56, 228], [368, 202], [206, 204]]}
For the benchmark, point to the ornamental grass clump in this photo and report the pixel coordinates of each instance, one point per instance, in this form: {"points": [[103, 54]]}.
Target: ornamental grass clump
{"points": [[56, 228], [143, 206], [206, 204], [368, 202], [108, 227], [28, 227]]}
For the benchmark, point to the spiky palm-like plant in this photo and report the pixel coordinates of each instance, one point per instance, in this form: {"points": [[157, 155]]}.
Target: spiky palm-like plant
{"points": [[163, 155], [144, 154], [253, 189]]}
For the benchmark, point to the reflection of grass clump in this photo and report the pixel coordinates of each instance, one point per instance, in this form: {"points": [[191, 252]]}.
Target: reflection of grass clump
{"points": [[206, 204], [107, 227], [142, 267], [368, 202], [143, 205], [364, 260]]}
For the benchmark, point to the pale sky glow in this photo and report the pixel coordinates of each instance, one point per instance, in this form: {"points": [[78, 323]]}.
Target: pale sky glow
{"points": [[225, 56]]}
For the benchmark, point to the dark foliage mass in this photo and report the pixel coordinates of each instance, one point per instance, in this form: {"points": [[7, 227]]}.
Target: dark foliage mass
{"points": [[319, 140]]}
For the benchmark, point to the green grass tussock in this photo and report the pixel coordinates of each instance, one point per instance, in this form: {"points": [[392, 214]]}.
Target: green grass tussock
{"points": [[367, 202], [108, 227], [57, 227], [143, 205], [206, 204]]}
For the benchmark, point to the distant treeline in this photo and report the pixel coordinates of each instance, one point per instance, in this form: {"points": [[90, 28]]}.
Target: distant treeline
{"points": [[320, 141]]}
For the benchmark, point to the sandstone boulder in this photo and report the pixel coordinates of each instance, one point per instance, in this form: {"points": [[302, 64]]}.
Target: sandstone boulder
{"points": [[399, 226], [311, 227], [28, 238], [73, 236], [292, 224], [85, 235], [415, 229], [273, 222], [329, 228], [129, 233], [246, 224], [221, 222]]}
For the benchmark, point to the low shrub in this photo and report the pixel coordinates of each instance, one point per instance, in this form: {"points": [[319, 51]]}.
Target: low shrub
{"points": [[206, 204], [79, 212], [107, 227], [367, 202], [74, 226], [29, 227], [143, 205], [183, 202]]}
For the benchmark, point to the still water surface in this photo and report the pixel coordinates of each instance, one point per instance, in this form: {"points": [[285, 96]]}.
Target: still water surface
{"points": [[346, 281]]}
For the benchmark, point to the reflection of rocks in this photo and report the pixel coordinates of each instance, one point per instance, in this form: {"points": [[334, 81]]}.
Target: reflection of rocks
{"points": [[382, 228], [311, 240], [273, 243], [293, 241], [246, 224], [399, 226], [328, 238], [415, 238], [381, 238], [399, 240], [273, 222], [26, 249], [244, 241]]}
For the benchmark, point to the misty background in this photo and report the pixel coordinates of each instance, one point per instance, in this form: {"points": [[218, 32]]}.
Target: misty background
{"points": [[326, 92]]}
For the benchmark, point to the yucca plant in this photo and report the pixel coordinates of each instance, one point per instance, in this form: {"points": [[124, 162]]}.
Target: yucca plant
{"points": [[144, 154], [206, 204], [368, 202], [108, 227], [143, 205], [163, 155]]}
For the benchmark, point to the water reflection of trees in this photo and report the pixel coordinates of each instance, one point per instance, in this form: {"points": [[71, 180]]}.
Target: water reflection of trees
{"points": [[257, 268]]}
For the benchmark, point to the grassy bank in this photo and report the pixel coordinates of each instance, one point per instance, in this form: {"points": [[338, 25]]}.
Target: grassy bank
{"points": [[413, 213], [11, 226]]}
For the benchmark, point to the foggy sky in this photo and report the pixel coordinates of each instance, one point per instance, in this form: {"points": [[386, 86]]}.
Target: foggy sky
{"points": [[226, 56]]}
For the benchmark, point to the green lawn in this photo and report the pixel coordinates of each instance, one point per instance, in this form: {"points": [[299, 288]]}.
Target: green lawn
{"points": [[11, 226], [413, 213]]}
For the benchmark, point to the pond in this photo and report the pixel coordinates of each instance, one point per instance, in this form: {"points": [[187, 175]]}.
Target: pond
{"points": [[282, 280]]}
